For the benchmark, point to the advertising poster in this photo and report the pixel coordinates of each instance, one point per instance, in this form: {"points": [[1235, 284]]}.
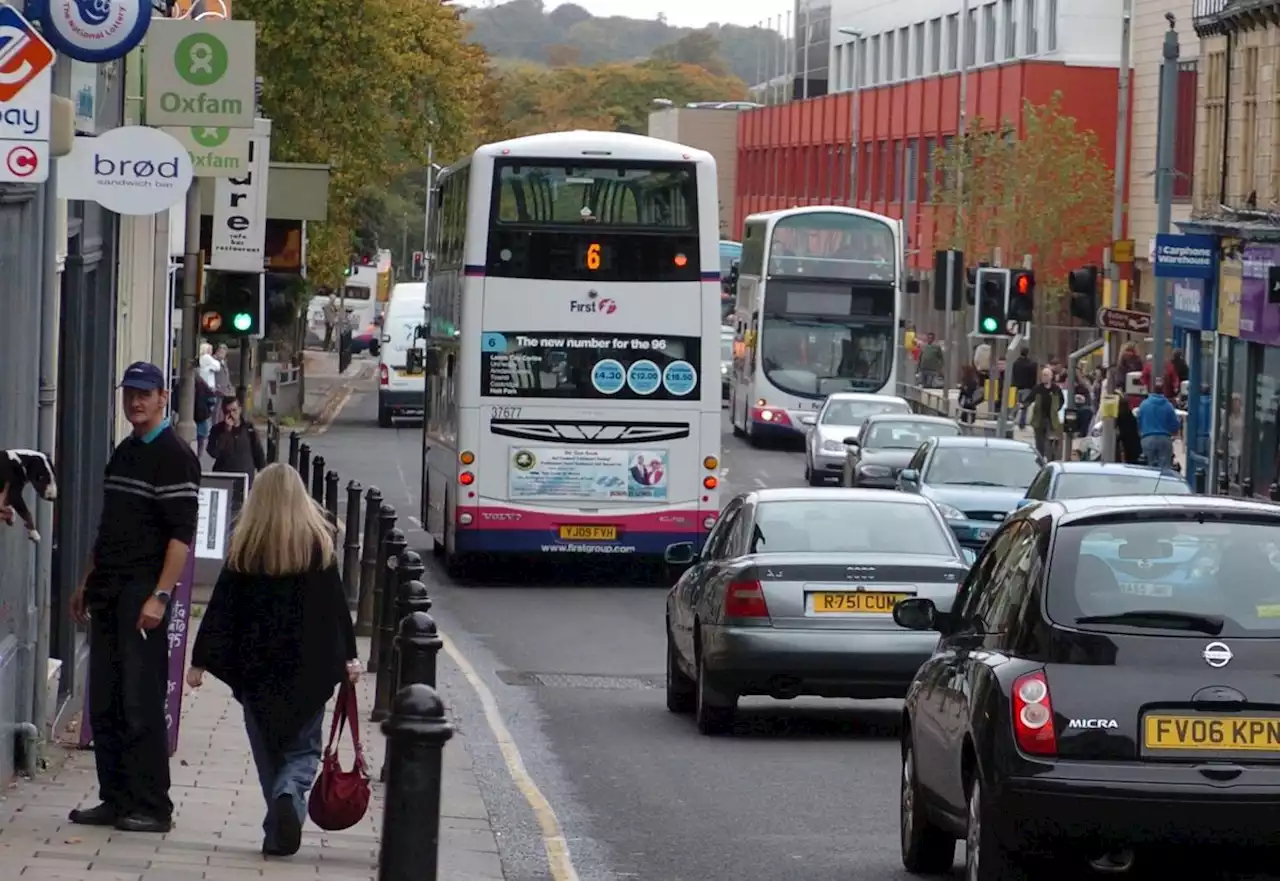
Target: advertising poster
{"points": [[179, 619], [630, 367], [211, 527], [1259, 322], [587, 475], [1229, 283]]}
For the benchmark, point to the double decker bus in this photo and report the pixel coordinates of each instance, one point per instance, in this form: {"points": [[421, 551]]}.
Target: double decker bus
{"points": [[573, 398], [819, 298]]}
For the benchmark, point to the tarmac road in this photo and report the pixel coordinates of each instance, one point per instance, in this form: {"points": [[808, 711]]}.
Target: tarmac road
{"points": [[804, 790]]}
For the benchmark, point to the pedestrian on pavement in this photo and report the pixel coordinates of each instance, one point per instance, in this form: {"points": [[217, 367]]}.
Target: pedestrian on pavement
{"points": [[330, 321], [1045, 405], [234, 444], [931, 362], [202, 412], [970, 394], [278, 633], [222, 386], [150, 504], [1022, 378], [1158, 423]]}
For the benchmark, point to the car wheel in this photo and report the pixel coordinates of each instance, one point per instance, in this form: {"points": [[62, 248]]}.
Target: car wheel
{"points": [[384, 418], [713, 712], [926, 849], [814, 478], [986, 859], [681, 696]]}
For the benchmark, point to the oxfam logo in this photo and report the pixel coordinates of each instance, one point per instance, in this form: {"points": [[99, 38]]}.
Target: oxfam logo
{"points": [[200, 59], [210, 136]]}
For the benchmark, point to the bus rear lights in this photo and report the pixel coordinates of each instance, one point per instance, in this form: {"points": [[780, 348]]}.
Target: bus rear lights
{"points": [[465, 519], [466, 478], [710, 482], [681, 260], [711, 463], [770, 416], [466, 457], [708, 522], [384, 375]]}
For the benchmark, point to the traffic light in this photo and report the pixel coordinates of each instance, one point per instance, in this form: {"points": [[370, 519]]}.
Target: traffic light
{"points": [[1083, 285], [971, 282], [991, 314], [948, 264], [233, 305], [1022, 295]]}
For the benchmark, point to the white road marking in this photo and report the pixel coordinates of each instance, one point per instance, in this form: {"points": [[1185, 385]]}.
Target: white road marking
{"points": [[758, 482], [553, 840], [416, 522]]}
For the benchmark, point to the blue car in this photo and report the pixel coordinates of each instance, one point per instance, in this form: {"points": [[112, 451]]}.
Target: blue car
{"points": [[975, 481]]}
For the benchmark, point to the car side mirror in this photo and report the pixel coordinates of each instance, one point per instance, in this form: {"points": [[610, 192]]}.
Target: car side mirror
{"points": [[909, 475], [1022, 503], [680, 554], [970, 555], [851, 442], [916, 613]]}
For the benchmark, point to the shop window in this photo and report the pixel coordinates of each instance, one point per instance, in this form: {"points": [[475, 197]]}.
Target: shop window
{"points": [[1266, 399]]}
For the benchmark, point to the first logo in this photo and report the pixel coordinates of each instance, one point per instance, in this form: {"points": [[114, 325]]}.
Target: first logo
{"points": [[24, 53]]}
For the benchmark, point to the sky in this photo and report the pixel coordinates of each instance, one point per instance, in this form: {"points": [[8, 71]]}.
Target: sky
{"points": [[692, 13]]}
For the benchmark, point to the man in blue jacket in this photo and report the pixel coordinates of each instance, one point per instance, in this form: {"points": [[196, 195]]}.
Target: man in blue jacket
{"points": [[1157, 424]]}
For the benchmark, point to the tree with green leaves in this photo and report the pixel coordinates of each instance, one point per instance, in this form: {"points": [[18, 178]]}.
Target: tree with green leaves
{"points": [[1037, 186]]}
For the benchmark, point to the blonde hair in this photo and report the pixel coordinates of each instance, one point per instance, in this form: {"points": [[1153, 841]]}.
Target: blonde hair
{"points": [[206, 348], [280, 527]]}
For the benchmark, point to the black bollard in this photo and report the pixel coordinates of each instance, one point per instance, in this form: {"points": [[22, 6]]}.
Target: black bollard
{"points": [[331, 496], [1246, 488], [317, 480], [273, 441], [393, 545], [351, 547], [417, 644], [416, 733], [304, 463], [294, 440], [370, 545], [406, 566], [1273, 492], [1201, 479], [411, 597]]}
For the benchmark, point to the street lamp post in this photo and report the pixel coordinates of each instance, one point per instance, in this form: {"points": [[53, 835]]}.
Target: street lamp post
{"points": [[855, 43]]}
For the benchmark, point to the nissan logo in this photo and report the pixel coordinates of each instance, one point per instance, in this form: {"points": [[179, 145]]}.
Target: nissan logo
{"points": [[1217, 654]]}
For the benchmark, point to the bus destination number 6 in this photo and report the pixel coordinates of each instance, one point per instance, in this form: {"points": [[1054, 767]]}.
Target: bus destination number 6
{"points": [[593, 256], [505, 412]]}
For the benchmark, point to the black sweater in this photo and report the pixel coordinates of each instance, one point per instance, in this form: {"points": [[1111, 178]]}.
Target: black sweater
{"points": [[237, 450], [151, 496]]}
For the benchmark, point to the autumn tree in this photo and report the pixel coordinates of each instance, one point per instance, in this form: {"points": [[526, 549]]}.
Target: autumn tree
{"points": [[699, 48], [400, 77], [1037, 186]]}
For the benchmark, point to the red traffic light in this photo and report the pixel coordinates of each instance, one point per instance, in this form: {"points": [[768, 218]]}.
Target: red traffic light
{"points": [[1023, 285]]}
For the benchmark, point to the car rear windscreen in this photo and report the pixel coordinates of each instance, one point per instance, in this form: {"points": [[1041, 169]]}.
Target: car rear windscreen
{"points": [[854, 527], [1168, 574], [1089, 486], [983, 466], [853, 413], [906, 435]]}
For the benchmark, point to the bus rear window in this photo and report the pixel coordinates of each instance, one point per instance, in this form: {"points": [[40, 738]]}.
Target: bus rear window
{"points": [[659, 196]]}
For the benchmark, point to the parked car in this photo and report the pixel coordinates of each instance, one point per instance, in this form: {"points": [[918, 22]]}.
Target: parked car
{"points": [[839, 421]]}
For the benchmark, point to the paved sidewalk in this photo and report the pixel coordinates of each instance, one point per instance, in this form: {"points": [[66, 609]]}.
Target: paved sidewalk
{"points": [[217, 833]]}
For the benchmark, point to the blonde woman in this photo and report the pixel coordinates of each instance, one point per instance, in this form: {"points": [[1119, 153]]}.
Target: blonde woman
{"points": [[277, 631]]}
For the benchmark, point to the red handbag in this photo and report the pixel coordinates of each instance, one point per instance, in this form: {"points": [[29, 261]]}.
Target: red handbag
{"points": [[340, 798]]}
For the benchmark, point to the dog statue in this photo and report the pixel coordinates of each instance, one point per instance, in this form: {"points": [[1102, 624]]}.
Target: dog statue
{"points": [[18, 468]]}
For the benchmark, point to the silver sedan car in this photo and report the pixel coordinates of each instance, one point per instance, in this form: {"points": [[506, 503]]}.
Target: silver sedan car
{"points": [[793, 595], [841, 417]]}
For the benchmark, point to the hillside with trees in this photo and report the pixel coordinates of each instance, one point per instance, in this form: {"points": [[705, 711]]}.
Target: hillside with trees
{"points": [[526, 30]]}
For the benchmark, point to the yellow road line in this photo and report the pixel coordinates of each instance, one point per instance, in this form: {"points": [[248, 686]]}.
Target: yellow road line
{"points": [[553, 840], [342, 402]]}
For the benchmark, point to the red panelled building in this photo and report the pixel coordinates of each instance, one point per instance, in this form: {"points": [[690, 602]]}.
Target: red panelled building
{"points": [[799, 153]]}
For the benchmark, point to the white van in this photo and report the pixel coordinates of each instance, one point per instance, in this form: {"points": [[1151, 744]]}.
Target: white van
{"points": [[402, 385]]}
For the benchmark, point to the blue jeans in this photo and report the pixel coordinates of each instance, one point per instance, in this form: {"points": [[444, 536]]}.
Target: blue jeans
{"points": [[1157, 449], [290, 772]]}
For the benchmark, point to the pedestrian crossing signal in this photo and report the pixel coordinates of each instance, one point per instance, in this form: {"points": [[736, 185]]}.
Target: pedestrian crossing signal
{"points": [[991, 314], [234, 305]]}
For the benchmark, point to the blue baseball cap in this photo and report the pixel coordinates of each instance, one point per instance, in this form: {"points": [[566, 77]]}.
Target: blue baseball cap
{"points": [[143, 376]]}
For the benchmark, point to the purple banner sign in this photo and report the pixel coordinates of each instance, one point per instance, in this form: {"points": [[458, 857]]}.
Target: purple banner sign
{"points": [[179, 619], [1259, 321]]}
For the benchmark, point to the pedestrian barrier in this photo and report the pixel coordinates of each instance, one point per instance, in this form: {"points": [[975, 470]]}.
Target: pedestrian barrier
{"points": [[393, 543], [273, 441], [304, 462], [416, 733], [369, 559], [293, 449], [317, 479], [351, 547], [331, 497]]}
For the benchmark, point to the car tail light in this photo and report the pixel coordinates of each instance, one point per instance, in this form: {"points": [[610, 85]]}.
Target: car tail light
{"points": [[745, 599], [1033, 715], [384, 375]]}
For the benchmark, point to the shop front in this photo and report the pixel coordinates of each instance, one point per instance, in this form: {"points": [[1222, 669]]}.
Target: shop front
{"points": [[1194, 314], [1252, 440]]}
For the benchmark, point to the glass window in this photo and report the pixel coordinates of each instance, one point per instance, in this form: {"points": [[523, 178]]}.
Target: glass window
{"points": [[882, 171], [904, 53], [1266, 399], [935, 45], [983, 466], [1010, 29], [1051, 25], [904, 434], [729, 251], [953, 41], [1087, 486], [854, 413], [862, 62], [1204, 575], [930, 147], [617, 194], [918, 49], [848, 528], [913, 169], [1236, 416], [875, 60], [833, 245], [971, 38], [888, 56], [1032, 26], [899, 178], [989, 33], [726, 347], [812, 356]]}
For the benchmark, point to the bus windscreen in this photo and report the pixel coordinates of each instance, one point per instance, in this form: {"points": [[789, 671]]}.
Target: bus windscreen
{"points": [[833, 245]]}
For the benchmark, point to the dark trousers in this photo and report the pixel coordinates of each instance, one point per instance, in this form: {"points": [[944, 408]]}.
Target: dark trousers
{"points": [[128, 684], [289, 771]]}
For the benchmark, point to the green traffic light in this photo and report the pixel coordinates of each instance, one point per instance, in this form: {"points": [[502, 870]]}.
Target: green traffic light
{"points": [[242, 321], [989, 325]]}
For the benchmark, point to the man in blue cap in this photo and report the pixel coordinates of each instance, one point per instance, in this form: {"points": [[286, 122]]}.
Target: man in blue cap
{"points": [[151, 497]]}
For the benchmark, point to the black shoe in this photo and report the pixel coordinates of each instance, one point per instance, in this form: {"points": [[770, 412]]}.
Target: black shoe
{"points": [[288, 828], [101, 815], [140, 823]]}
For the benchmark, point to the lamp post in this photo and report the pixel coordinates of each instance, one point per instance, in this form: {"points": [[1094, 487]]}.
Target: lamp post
{"points": [[855, 42]]}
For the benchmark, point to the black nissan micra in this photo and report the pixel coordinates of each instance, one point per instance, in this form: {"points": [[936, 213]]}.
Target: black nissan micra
{"points": [[1106, 689]]}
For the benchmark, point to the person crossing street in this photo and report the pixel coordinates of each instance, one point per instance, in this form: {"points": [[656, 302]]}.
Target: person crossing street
{"points": [[149, 509]]}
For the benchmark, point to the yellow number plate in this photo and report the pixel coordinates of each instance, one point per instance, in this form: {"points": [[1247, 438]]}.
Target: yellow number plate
{"points": [[589, 533], [861, 603], [1215, 733]]}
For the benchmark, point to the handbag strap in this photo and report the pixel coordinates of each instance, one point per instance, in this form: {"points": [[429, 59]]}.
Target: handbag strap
{"points": [[346, 713]]}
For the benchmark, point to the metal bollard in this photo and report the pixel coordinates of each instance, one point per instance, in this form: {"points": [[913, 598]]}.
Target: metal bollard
{"points": [[416, 733], [407, 566], [317, 480], [370, 546], [1246, 488], [417, 644], [331, 496], [294, 440], [1201, 479], [273, 441], [411, 597], [304, 463], [351, 547], [393, 545]]}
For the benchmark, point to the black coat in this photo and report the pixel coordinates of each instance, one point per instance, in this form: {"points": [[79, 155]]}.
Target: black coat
{"points": [[237, 450], [280, 642]]}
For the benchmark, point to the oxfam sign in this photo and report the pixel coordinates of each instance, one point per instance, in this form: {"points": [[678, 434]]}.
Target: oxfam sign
{"points": [[200, 74], [129, 170]]}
